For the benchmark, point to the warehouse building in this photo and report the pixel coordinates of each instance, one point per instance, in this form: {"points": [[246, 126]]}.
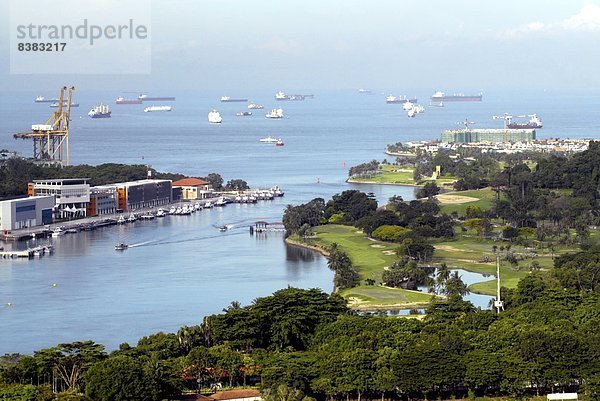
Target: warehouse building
{"points": [[71, 195], [26, 212]]}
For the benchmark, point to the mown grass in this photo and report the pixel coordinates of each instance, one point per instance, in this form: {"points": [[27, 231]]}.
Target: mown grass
{"points": [[392, 174], [485, 200]]}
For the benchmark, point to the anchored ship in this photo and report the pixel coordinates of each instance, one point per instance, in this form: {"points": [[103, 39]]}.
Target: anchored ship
{"points": [[399, 99], [214, 117], [439, 97], [157, 108], [146, 98], [42, 99], [227, 99], [55, 104], [275, 113], [534, 122], [100, 111], [255, 106], [282, 96], [122, 100]]}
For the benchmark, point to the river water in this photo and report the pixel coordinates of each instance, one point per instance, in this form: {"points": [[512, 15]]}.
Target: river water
{"points": [[183, 268]]}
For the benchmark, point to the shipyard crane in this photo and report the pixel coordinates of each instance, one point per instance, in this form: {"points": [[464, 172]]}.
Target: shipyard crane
{"points": [[51, 140], [466, 123]]}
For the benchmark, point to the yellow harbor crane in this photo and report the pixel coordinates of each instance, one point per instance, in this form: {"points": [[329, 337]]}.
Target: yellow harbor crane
{"points": [[51, 140]]}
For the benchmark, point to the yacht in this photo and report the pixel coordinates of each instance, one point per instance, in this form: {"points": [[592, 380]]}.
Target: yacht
{"points": [[275, 113], [214, 117], [268, 139]]}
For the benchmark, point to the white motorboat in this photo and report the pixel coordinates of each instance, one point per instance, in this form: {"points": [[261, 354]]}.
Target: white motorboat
{"points": [[58, 232], [172, 210], [121, 247], [214, 117], [208, 205], [132, 217], [121, 220], [220, 202], [161, 213]]}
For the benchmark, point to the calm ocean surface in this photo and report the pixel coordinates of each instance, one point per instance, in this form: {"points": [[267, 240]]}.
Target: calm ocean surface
{"points": [[182, 268]]}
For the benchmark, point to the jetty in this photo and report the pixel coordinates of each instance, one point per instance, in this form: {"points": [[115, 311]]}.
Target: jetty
{"points": [[27, 253], [265, 226]]}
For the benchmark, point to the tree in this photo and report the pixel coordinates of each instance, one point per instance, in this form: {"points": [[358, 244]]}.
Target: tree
{"points": [[120, 378], [353, 203], [429, 190], [69, 361], [237, 185], [391, 233], [455, 287], [215, 180]]}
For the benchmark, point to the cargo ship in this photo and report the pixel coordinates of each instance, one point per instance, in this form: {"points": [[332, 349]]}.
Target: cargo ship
{"points": [[122, 100], [275, 113], [282, 96], [439, 97], [227, 99], [42, 99], [157, 108], [534, 122], [399, 99], [100, 111], [55, 104], [146, 98]]}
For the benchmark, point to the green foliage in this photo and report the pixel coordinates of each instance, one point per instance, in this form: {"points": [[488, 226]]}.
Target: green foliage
{"points": [[337, 218], [579, 271], [353, 203], [391, 233], [430, 189], [120, 378], [311, 213], [236, 185], [18, 392]]}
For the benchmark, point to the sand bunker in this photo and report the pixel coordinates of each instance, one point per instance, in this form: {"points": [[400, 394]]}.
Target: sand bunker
{"points": [[448, 199]]}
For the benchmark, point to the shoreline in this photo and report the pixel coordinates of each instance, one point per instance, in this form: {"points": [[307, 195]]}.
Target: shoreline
{"points": [[351, 181]]}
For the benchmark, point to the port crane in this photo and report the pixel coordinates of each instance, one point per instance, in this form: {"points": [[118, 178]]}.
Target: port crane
{"points": [[51, 140]]}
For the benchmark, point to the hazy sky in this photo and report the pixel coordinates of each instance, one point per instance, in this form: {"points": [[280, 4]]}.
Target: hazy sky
{"points": [[339, 44]]}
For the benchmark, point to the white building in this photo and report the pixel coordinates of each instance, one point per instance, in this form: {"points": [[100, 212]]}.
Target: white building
{"points": [[26, 212], [72, 195]]}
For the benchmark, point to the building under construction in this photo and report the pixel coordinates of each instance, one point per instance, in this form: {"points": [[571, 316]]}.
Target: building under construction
{"points": [[51, 140], [488, 135]]}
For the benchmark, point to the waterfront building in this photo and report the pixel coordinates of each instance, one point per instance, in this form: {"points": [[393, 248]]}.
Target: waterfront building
{"points": [[193, 188], [103, 200], [71, 195], [26, 212], [141, 194], [487, 135]]}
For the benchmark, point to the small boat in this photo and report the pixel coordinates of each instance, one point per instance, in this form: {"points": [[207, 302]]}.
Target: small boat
{"points": [[279, 143], [223, 228], [254, 106], [214, 117], [72, 231], [268, 139], [161, 213], [132, 218], [58, 232], [243, 113], [172, 210], [121, 247], [208, 205], [197, 206], [275, 114], [220, 202], [147, 216], [121, 220], [157, 108]]}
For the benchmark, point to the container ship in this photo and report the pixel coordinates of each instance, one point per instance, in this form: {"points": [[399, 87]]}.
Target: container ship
{"points": [[146, 98], [399, 99], [439, 97], [100, 111], [227, 99], [122, 100]]}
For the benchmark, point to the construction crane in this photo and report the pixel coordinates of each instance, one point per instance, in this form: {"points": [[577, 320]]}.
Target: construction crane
{"points": [[51, 140], [466, 123], [508, 118]]}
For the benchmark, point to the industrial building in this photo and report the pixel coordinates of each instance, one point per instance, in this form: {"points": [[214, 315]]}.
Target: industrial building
{"points": [[193, 188], [487, 135], [72, 195], [26, 212], [140, 194]]}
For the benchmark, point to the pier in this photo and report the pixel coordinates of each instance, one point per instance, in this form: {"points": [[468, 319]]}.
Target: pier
{"points": [[28, 253], [265, 226]]}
